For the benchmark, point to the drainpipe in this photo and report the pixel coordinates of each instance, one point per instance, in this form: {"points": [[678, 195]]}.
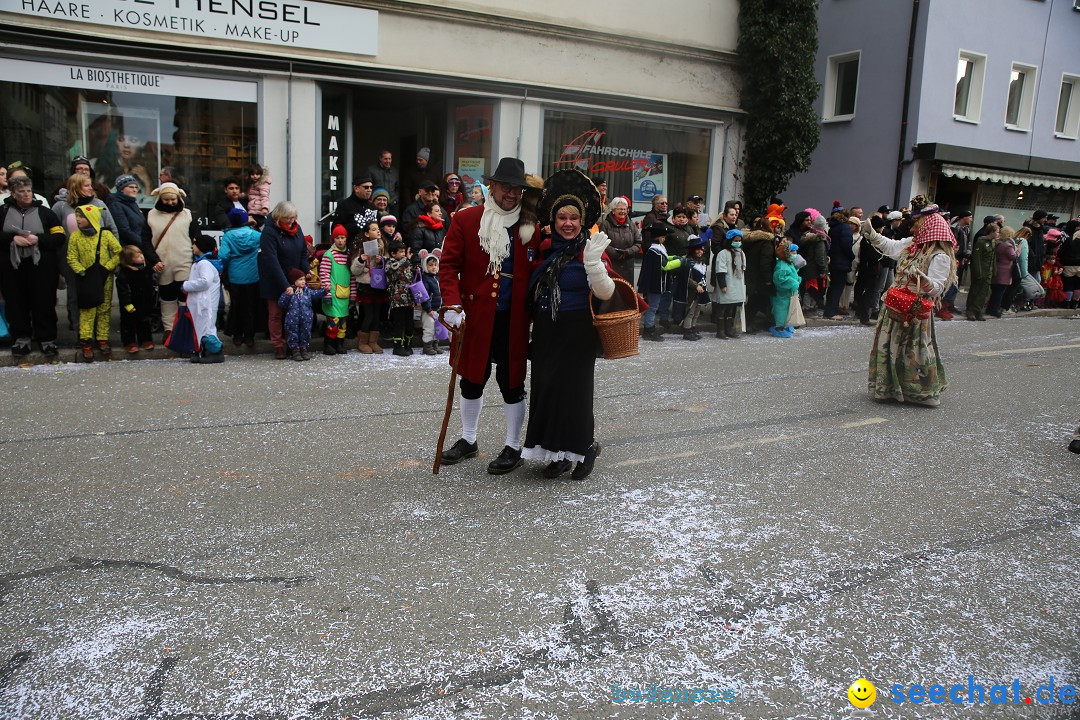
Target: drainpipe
{"points": [[901, 152], [288, 139], [521, 121], [723, 166]]}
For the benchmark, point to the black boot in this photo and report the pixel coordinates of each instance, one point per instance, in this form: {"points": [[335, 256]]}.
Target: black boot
{"points": [[729, 328], [328, 347]]}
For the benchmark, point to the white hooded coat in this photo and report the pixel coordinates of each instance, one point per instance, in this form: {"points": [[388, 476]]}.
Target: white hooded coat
{"points": [[203, 288]]}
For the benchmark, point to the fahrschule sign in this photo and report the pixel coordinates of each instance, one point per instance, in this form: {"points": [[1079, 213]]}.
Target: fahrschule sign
{"points": [[287, 23]]}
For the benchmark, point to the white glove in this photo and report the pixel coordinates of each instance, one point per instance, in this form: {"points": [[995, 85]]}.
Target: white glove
{"points": [[594, 248], [454, 318]]}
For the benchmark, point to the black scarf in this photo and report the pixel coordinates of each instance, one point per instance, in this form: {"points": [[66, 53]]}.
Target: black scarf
{"points": [[546, 278]]}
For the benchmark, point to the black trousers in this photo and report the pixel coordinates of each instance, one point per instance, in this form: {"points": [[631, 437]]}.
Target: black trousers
{"points": [[30, 297], [401, 318], [135, 326], [500, 355], [245, 300]]}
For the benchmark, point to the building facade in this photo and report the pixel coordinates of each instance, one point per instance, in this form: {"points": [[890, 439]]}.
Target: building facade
{"points": [[984, 116], [315, 90]]}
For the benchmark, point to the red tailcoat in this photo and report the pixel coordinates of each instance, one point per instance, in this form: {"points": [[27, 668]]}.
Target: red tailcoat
{"points": [[464, 280]]}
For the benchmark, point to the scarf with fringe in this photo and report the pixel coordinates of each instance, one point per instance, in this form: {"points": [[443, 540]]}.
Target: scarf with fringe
{"points": [[493, 236]]}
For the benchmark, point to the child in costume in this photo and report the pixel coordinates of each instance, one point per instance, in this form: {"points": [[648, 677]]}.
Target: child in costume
{"points": [[691, 288], [785, 286], [90, 244], [335, 278], [652, 280], [400, 273], [239, 255], [429, 263], [203, 288], [370, 301], [729, 282], [299, 314], [135, 289]]}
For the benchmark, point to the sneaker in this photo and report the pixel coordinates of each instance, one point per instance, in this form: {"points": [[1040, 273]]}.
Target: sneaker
{"points": [[652, 334], [944, 314], [50, 350], [461, 450], [87, 350], [104, 348], [296, 355], [21, 348], [690, 335], [132, 348], [279, 353], [304, 354], [148, 345]]}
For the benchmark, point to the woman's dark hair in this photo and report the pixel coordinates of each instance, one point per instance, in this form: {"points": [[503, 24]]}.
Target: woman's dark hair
{"points": [[255, 169], [877, 222], [730, 204]]}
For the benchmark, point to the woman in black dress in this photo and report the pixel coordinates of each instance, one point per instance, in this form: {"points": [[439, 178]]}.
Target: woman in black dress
{"points": [[564, 341]]}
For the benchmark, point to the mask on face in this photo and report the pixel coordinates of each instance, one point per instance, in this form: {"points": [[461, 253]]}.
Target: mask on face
{"points": [[736, 244]]}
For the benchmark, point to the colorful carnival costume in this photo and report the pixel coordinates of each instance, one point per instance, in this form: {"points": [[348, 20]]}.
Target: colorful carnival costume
{"points": [[904, 360]]}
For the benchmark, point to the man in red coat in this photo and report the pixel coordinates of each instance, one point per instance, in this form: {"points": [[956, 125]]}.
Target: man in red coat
{"points": [[486, 262]]}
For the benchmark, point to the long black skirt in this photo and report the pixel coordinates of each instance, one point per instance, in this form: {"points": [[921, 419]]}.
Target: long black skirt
{"points": [[563, 354]]}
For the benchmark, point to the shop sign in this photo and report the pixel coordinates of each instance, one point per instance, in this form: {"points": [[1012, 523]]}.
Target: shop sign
{"points": [[282, 23], [585, 153], [333, 154], [90, 77]]}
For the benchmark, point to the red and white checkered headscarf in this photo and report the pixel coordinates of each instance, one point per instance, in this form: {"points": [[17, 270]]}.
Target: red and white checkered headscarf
{"points": [[935, 229]]}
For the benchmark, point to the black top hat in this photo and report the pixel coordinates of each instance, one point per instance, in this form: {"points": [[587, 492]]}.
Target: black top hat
{"points": [[570, 187], [510, 171]]}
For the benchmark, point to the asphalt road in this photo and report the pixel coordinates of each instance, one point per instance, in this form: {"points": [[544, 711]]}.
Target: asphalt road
{"points": [[266, 539]]}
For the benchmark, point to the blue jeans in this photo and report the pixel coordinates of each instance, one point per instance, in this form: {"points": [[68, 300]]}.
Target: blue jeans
{"points": [[664, 311], [650, 315]]}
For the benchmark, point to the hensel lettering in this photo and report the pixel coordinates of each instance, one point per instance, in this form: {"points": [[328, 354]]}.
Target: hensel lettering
{"points": [[254, 9]]}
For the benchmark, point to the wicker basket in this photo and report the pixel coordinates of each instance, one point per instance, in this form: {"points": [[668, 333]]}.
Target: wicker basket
{"points": [[619, 330]]}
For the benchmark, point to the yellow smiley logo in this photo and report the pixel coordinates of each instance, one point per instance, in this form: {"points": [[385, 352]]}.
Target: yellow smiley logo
{"points": [[862, 693]]}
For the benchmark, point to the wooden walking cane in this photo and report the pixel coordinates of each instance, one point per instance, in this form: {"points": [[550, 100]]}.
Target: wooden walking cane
{"points": [[458, 335]]}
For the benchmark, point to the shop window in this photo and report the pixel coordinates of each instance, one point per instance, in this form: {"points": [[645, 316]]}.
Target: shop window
{"points": [[841, 86], [967, 99], [637, 159], [129, 133], [1067, 124], [472, 143], [1021, 97]]}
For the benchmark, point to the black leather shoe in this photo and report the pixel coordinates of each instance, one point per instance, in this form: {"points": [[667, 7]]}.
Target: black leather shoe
{"points": [[585, 466], [461, 450], [509, 460], [557, 468]]}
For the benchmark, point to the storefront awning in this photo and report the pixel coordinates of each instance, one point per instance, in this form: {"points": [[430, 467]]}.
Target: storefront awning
{"points": [[969, 172]]}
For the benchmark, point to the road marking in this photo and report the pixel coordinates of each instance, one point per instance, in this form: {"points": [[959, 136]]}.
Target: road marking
{"points": [[1021, 351], [746, 443]]}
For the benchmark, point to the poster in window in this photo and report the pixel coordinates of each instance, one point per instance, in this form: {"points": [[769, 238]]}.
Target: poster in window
{"points": [[471, 170], [649, 181], [123, 141]]}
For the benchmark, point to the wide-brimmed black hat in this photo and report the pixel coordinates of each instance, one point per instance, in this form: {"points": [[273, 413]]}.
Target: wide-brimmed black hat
{"points": [[570, 187], [510, 171]]}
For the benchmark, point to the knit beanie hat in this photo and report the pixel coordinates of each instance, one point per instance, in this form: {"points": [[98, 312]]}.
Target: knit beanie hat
{"points": [[237, 217], [123, 181], [206, 244], [380, 192], [388, 219], [339, 229], [424, 153], [293, 275]]}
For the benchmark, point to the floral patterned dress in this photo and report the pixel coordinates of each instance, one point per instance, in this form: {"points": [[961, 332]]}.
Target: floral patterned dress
{"points": [[905, 364]]}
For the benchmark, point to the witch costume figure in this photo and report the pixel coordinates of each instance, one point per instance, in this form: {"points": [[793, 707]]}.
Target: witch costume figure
{"points": [[904, 361], [564, 341]]}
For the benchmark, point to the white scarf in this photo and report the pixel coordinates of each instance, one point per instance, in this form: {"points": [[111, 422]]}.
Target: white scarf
{"points": [[494, 239]]}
